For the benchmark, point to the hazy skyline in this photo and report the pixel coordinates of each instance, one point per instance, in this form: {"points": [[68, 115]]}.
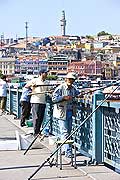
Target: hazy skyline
{"points": [[43, 17]]}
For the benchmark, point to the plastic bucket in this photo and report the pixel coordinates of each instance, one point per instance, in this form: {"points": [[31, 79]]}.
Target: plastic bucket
{"points": [[29, 123], [25, 141]]}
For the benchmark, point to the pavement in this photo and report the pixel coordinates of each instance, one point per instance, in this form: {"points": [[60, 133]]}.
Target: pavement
{"points": [[14, 165]]}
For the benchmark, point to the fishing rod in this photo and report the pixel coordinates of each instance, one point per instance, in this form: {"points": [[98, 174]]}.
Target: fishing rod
{"points": [[36, 137], [58, 148], [44, 85], [43, 92], [87, 92], [90, 91]]}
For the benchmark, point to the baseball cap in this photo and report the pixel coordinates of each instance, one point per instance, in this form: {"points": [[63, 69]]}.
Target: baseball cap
{"points": [[43, 71], [71, 75]]}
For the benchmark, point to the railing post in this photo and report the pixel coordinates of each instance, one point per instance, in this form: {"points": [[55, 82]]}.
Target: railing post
{"points": [[9, 106], [17, 103], [97, 148]]}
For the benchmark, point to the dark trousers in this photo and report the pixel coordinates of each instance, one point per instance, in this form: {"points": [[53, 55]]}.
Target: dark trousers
{"points": [[3, 101], [26, 108], [38, 111]]}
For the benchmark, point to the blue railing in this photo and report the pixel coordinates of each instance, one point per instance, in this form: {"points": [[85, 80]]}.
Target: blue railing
{"points": [[99, 136]]}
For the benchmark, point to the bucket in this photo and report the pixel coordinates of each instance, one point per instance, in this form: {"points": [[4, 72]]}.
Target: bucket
{"points": [[29, 123], [25, 141], [52, 140]]}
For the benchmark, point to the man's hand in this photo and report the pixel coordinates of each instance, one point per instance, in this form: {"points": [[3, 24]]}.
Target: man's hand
{"points": [[67, 98]]}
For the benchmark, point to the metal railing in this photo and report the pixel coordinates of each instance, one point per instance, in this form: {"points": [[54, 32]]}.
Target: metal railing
{"points": [[98, 138]]}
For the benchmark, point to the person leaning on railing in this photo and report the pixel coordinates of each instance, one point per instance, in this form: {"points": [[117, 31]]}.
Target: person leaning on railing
{"points": [[3, 94], [38, 100], [64, 108], [25, 105]]}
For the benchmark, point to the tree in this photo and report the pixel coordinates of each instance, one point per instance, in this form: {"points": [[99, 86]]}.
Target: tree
{"points": [[103, 33], [90, 37], [52, 77], [111, 37]]}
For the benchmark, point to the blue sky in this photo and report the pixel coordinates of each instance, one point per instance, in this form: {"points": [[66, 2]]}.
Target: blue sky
{"points": [[84, 17]]}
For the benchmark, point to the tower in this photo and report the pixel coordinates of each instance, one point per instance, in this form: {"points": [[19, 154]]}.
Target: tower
{"points": [[26, 27], [63, 23]]}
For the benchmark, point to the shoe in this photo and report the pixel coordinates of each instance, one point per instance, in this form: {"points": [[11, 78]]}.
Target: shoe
{"points": [[69, 155], [22, 124], [41, 137], [3, 113], [63, 153]]}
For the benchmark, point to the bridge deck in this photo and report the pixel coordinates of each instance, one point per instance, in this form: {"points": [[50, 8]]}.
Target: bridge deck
{"points": [[15, 165]]}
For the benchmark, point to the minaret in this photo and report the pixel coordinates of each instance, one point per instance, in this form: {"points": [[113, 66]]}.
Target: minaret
{"points": [[63, 23], [26, 27]]}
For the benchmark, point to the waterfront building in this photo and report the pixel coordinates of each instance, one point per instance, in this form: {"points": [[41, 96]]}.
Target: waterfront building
{"points": [[57, 65], [86, 68], [29, 66], [30, 62], [7, 65]]}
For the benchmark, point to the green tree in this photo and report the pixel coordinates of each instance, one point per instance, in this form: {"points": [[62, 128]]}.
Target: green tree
{"points": [[111, 37], [103, 33], [52, 77], [89, 37]]}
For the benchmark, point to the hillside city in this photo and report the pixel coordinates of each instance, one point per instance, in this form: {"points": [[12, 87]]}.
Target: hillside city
{"points": [[91, 57]]}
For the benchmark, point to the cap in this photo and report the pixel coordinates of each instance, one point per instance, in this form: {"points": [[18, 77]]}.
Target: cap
{"points": [[43, 71], [71, 75]]}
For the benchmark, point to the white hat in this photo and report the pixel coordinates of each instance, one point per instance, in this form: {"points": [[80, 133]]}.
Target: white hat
{"points": [[71, 75]]}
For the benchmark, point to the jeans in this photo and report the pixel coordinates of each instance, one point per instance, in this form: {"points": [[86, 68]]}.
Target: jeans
{"points": [[65, 130], [38, 111]]}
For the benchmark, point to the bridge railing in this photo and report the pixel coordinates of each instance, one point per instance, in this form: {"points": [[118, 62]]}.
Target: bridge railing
{"points": [[99, 136]]}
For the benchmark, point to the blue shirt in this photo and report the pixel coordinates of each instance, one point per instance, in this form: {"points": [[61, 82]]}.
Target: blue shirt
{"points": [[63, 90], [25, 94]]}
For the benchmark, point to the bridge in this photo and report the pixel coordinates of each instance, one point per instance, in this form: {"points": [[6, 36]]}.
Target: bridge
{"points": [[98, 138]]}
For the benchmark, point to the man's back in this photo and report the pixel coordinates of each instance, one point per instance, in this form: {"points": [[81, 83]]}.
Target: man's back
{"points": [[3, 88]]}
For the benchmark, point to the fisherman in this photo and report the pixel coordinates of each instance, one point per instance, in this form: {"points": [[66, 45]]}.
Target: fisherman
{"points": [[38, 99], [25, 105], [65, 108]]}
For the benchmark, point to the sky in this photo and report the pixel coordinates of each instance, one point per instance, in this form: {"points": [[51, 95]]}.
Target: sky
{"points": [[84, 17]]}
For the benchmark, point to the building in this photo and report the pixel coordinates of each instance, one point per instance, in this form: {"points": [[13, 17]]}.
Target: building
{"points": [[7, 66], [29, 66], [86, 68], [57, 65]]}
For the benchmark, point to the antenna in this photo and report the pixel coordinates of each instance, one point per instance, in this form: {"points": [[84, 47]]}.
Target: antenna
{"points": [[26, 27]]}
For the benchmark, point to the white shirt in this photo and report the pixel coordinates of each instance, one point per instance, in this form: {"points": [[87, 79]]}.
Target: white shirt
{"points": [[3, 88], [38, 98]]}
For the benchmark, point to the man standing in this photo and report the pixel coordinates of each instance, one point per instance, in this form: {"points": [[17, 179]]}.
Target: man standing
{"points": [[25, 105], [3, 93], [64, 108], [38, 102]]}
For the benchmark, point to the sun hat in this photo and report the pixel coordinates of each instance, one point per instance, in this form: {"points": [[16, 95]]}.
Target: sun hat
{"points": [[71, 75]]}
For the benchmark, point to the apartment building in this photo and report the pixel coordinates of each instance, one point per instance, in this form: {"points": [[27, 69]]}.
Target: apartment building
{"points": [[57, 65], [7, 65], [86, 67]]}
